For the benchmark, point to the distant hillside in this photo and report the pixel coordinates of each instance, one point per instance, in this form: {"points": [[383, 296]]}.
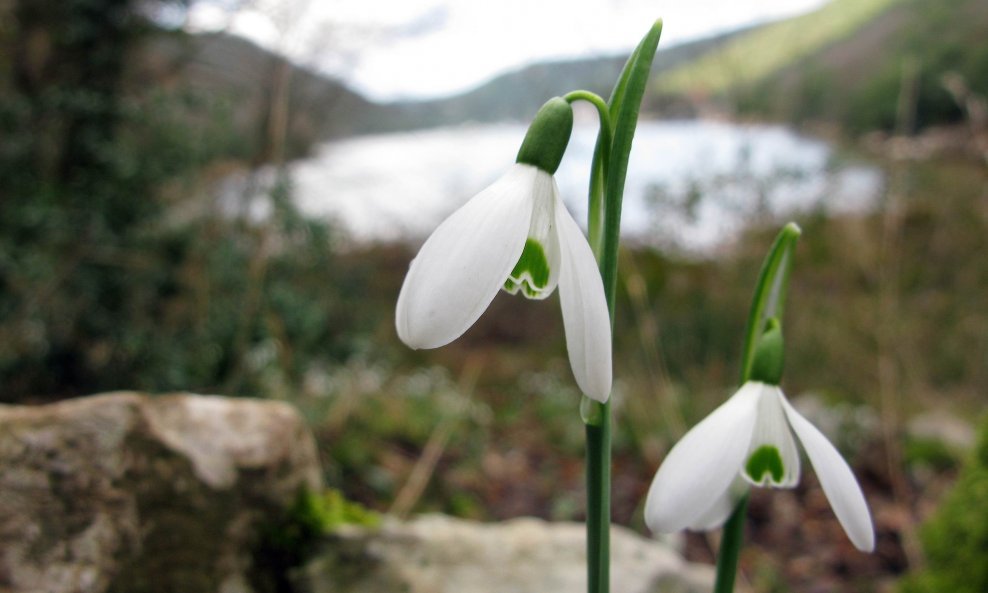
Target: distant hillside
{"points": [[517, 95], [890, 72], [238, 80], [842, 63], [750, 57], [848, 63]]}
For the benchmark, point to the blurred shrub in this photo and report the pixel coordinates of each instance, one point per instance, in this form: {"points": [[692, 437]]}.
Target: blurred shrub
{"points": [[930, 453], [955, 539], [117, 270]]}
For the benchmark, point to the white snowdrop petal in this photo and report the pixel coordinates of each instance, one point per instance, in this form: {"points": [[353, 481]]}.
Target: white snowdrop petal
{"points": [[772, 435], [585, 318], [720, 512], [837, 480], [701, 467], [542, 231], [465, 261]]}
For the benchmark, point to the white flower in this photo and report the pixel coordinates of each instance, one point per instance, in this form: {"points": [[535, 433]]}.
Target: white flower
{"points": [[516, 235], [747, 440]]}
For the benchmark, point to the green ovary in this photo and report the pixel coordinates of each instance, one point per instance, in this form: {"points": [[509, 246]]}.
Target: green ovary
{"points": [[531, 273], [764, 460]]}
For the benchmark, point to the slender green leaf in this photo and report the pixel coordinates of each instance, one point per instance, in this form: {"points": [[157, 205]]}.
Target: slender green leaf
{"points": [[768, 302], [770, 292], [625, 106]]}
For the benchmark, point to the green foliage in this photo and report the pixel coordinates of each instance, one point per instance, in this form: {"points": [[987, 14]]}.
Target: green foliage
{"points": [[82, 251], [955, 539], [114, 272], [931, 453]]}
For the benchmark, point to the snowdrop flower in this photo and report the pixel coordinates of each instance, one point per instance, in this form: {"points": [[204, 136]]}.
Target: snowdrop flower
{"points": [[747, 441], [518, 236]]}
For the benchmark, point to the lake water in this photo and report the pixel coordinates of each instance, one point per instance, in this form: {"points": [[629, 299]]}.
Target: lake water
{"points": [[691, 184]]}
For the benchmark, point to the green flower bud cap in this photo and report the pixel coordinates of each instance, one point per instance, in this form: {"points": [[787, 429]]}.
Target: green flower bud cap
{"points": [[547, 137], [769, 354]]}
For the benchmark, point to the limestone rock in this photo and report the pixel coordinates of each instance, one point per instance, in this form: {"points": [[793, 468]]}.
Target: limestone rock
{"points": [[944, 427], [126, 492], [437, 554]]}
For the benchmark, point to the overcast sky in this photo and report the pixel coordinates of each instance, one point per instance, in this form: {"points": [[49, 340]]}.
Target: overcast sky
{"points": [[391, 49]]}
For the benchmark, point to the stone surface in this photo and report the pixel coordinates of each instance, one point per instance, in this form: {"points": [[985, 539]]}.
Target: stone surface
{"points": [[130, 493], [944, 427], [437, 554]]}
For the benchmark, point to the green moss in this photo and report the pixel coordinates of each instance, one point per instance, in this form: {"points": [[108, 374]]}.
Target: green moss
{"points": [[332, 510], [955, 539], [289, 542]]}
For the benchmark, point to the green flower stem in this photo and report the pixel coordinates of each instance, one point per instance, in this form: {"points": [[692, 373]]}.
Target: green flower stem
{"points": [[608, 172], [768, 303], [598, 171], [599, 499], [730, 548]]}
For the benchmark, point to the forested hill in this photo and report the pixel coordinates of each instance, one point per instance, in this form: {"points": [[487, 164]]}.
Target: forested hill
{"points": [[234, 74], [852, 62], [844, 63], [518, 94], [227, 78]]}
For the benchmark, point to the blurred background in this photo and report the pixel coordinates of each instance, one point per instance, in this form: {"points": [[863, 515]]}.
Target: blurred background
{"points": [[222, 196]]}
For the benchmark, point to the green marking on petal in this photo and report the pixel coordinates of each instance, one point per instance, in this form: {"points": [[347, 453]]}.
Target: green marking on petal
{"points": [[765, 460], [531, 273]]}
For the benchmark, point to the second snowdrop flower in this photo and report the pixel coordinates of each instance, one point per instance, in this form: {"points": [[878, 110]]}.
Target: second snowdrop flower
{"points": [[518, 236], [749, 441]]}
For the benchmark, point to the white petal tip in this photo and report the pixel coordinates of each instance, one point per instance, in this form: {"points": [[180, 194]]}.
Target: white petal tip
{"points": [[413, 340], [597, 388], [867, 546], [599, 394], [658, 526], [862, 536], [837, 481]]}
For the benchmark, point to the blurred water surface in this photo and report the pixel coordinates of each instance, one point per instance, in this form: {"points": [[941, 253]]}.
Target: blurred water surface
{"points": [[401, 185]]}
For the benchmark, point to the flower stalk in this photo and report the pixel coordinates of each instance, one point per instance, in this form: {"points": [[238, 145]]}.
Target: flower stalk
{"points": [[517, 236], [768, 303], [608, 172], [730, 548], [751, 441]]}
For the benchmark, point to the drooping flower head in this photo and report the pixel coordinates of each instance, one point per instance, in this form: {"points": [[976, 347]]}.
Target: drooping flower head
{"points": [[518, 236], [748, 441]]}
